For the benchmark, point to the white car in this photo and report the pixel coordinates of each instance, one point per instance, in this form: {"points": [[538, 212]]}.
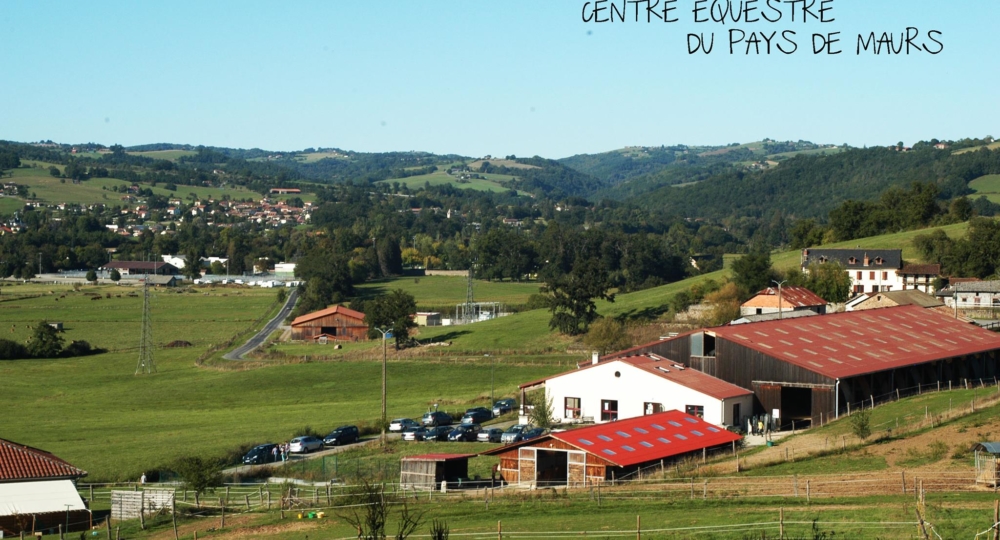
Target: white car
{"points": [[302, 445], [402, 424]]}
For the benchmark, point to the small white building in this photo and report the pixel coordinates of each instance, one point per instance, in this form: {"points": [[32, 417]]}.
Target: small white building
{"points": [[38, 492], [284, 269], [972, 295], [611, 390]]}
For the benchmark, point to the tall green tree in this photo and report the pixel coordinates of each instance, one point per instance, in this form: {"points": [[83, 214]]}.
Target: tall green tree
{"points": [[753, 272], [45, 341], [391, 311]]}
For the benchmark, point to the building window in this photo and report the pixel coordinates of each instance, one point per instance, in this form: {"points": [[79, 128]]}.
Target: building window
{"points": [[871, 276], [695, 410], [859, 289], [874, 288], [852, 260], [885, 276], [572, 407], [859, 275], [736, 415], [878, 260], [760, 311], [652, 408], [609, 410]]}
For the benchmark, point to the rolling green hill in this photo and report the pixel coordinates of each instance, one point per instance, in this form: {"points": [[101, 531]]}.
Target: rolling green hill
{"points": [[988, 186]]}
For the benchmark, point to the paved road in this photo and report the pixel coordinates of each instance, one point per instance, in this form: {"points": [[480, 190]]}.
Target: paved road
{"points": [[295, 458], [260, 337]]}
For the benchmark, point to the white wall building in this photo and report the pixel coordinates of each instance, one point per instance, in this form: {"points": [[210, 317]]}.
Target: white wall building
{"points": [[870, 270], [640, 385]]}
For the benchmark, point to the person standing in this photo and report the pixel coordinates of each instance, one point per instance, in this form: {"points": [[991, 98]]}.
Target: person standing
{"points": [[274, 453]]}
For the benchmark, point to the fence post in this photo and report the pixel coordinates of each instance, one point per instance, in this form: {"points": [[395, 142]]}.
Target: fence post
{"points": [[795, 481], [246, 499], [499, 530], [902, 474], [638, 527], [108, 522], [704, 491], [996, 519], [142, 510], [781, 523], [92, 487], [61, 537], [222, 525], [173, 516], [808, 491], [692, 488]]}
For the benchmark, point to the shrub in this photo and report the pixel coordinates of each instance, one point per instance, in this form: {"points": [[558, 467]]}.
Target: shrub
{"points": [[12, 350], [861, 424]]}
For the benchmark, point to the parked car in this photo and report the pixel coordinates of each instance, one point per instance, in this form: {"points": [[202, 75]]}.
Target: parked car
{"points": [[400, 424], [260, 454], [533, 433], [491, 434], [303, 445], [504, 406], [437, 433], [477, 415], [464, 432], [514, 433], [415, 434], [437, 418], [342, 435]]}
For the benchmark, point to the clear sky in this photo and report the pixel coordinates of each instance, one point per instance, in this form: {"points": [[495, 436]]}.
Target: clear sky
{"points": [[479, 77]]}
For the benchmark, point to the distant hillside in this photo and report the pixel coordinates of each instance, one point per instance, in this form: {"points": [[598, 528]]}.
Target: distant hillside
{"points": [[812, 185]]}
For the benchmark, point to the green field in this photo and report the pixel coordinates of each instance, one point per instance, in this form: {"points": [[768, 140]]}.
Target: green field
{"points": [[53, 190], [993, 146], [988, 186], [171, 155], [441, 177], [9, 205], [95, 413], [813, 152], [439, 292]]}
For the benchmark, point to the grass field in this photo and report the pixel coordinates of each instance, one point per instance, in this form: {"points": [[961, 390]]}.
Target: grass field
{"points": [[95, 413], [988, 186], [441, 177], [171, 155], [993, 146], [9, 205], [440, 292], [53, 190], [816, 151]]}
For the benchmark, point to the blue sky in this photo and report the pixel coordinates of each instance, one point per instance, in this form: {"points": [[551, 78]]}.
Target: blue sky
{"points": [[497, 77]]}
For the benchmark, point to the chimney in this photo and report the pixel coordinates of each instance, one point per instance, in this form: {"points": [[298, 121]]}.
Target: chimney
{"points": [[866, 259], [595, 358]]}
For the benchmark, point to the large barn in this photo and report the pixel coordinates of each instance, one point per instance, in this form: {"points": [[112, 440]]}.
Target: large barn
{"points": [[812, 369], [38, 492], [336, 323], [592, 455]]}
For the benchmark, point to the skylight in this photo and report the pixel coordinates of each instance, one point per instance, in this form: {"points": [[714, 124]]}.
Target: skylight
{"points": [[640, 430], [664, 440], [681, 437], [646, 444], [691, 420], [697, 433], [608, 452], [713, 430], [623, 434], [658, 426], [675, 424], [604, 438], [628, 448], [586, 442]]}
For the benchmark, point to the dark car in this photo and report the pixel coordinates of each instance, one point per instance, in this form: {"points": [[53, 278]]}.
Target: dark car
{"points": [[464, 432], [533, 433], [504, 406], [260, 454], [514, 433], [436, 418], [437, 433], [491, 434], [477, 415], [414, 434], [342, 435]]}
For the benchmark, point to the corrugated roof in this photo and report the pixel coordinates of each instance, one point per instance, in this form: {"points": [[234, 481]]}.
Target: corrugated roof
{"points": [[328, 311], [665, 369], [909, 297], [643, 439], [991, 447], [792, 296], [859, 342], [438, 457], [138, 265], [19, 462], [991, 286], [746, 319]]}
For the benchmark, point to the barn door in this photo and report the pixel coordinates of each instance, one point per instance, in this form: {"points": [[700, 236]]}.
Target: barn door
{"points": [[526, 466], [576, 469]]}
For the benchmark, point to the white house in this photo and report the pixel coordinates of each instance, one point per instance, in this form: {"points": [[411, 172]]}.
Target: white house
{"points": [[972, 295], [610, 390], [871, 270], [38, 492]]}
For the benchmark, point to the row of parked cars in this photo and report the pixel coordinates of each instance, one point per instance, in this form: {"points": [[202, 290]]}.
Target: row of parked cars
{"points": [[265, 453], [433, 426]]}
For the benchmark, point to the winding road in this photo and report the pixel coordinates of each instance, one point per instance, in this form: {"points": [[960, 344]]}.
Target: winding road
{"points": [[258, 339]]}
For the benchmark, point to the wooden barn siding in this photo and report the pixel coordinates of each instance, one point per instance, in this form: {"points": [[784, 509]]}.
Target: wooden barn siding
{"points": [[422, 474], [510, 462], [742, 365], [356, 328], [677, 349]]}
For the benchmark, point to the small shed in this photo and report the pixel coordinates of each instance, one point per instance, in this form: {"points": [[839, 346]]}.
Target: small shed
{"points": [[986, 462], [427, 471], [427, 318], [337, 323]]}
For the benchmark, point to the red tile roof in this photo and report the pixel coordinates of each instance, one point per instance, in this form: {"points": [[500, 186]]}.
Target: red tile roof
{"points": [[793, 296], [19, 462], [329, 311], [643, 439], [860, 342], [921, 269]]}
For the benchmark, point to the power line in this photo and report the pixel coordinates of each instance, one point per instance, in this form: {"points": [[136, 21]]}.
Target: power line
{"points": [[146, 365]]}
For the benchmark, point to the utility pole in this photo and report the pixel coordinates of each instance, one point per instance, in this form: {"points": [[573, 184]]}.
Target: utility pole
{"points": [[780, 314], [39, 263], [493, 367], [384, 333]]}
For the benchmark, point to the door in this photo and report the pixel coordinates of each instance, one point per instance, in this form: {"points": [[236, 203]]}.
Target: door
{"points": [[526, 465]]}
